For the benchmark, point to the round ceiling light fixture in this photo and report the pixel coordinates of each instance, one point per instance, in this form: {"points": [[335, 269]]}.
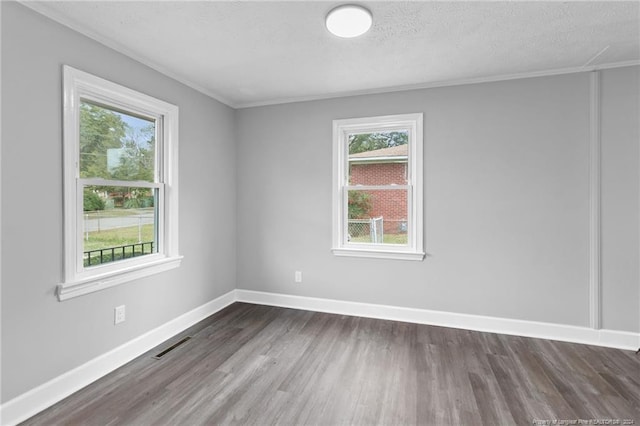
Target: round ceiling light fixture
{"points": [[349, 21]]}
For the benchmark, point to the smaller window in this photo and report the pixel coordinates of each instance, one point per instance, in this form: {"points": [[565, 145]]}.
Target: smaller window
{"points": [[120, 184], [377, 180]]}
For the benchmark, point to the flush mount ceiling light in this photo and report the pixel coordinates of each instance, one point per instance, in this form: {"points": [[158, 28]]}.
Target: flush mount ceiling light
{"points": [[349, 21]]}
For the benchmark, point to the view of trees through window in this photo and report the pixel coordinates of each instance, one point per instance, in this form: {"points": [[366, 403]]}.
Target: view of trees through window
{"points": [[119, 221], [377, 212], [362, 142]]}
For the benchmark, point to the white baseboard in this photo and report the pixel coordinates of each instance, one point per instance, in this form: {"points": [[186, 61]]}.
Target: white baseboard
{"points": [[541, 330], [47, 394], [32, 402]]}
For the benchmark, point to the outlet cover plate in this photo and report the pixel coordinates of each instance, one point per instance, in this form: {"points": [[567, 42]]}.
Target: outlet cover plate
{"points": [[118, 314]]}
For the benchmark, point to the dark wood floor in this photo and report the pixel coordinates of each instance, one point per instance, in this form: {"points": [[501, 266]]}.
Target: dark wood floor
{"points": [[251, 364]]}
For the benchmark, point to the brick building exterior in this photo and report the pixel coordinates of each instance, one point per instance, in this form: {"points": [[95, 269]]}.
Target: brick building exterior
{"points": [[383, 167]]}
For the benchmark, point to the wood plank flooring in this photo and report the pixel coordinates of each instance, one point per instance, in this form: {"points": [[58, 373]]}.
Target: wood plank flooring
{"points": [[259, 365]]}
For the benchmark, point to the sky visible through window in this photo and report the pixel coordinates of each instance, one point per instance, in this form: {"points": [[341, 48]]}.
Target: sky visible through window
{"points": [[137, 126], [119, 222]]}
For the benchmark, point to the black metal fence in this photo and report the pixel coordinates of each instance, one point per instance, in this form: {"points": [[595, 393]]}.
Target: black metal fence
{"points": [[111, 254]]}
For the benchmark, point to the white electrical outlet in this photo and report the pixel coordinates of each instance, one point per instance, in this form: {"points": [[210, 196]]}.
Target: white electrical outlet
{"points": [[298, 276], [118, 314]]}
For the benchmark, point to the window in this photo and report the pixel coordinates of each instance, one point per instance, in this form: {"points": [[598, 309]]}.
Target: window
{"points": [[377, 181], [120, 185]]}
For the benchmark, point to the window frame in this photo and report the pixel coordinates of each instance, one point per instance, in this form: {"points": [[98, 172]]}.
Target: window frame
{"points": [[80, 86], [414, 249]]}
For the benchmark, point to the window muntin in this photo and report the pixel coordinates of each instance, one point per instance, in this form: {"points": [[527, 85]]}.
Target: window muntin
{"points": [[118, 222], [378, 188], [120, 184], [377, 202]]}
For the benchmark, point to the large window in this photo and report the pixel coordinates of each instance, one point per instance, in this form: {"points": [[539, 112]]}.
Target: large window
{"points": [[120, 184], [377, 202]]}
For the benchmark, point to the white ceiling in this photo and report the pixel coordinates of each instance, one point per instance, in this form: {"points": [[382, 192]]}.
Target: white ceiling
{"points": [[261, 52]]}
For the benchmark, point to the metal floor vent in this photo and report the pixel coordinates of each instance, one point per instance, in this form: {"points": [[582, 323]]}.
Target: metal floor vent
{"points": [[170, 348]]}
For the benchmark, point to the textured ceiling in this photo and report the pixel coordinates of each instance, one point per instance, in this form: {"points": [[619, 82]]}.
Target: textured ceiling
{"points": [[248, 53]]}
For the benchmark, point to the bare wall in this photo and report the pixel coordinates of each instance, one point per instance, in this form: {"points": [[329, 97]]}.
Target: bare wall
{"points": [[620, 132], [506, 214], [506, 193], [41, 337]]}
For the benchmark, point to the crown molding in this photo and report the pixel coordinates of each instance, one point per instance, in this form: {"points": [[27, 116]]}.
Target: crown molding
{"points": [[443, 83], [41, 8]]}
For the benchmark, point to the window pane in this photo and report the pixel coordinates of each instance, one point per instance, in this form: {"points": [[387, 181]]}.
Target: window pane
{"points": [[377, 216], [378, 158], [115, 145], [118, 223]]}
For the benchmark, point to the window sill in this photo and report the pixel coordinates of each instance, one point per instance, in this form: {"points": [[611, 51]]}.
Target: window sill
{"points": [[81, 287], [378, 254]]}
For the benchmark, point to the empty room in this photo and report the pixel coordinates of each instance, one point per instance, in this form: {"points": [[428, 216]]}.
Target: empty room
{"points": [[320, 213]]}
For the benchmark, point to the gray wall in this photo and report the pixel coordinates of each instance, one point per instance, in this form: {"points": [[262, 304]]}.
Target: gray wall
{"points": [[507, 201], [41, 337], [506, 213], [620, 198]]}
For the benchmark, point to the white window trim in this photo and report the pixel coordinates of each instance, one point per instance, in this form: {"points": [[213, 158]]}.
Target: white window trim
{"points": [[414, 250], [78, 280]]}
